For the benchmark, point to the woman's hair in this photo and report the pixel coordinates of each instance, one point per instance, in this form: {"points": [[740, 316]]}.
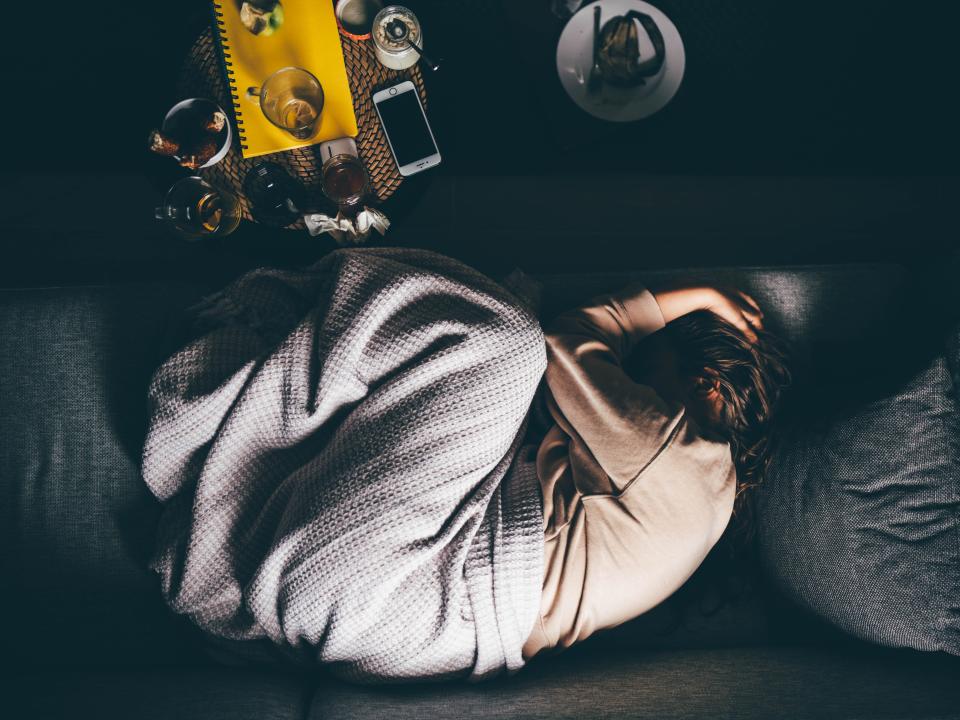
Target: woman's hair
{"points": [[750, 378]]}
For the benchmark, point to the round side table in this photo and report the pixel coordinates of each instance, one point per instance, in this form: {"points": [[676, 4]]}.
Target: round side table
{"points": [[202, 76]]}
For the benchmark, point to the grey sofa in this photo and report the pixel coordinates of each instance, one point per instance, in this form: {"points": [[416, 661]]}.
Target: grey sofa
{"points": [[86, 635]]}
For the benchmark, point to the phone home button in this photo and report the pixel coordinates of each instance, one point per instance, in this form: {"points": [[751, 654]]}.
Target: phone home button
{"points": [[393, 91]]}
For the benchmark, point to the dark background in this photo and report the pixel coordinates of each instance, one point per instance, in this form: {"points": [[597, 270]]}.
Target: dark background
{"points": [[803, 132]]}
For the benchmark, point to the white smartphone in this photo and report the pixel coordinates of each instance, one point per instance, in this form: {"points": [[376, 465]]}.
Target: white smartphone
{"points": [[405, 125]]}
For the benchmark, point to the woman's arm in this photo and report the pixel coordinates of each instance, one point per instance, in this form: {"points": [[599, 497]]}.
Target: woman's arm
{"points": [[624, 423], [734, 306]]}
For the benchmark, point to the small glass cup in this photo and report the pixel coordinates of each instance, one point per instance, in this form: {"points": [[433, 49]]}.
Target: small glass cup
{"points": [[345, 181], [394, 29], [196, 209], [355, 17], [291, 99]]}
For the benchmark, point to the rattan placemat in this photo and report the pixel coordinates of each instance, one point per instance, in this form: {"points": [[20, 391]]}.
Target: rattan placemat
{"points": [[202, 76]]}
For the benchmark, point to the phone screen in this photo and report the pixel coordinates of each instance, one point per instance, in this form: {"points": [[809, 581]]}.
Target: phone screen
{"points": [[406, 126]]}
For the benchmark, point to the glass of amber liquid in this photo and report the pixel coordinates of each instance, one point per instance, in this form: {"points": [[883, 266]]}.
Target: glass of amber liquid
{"points": [[344, 180], [291, 99], [196, 209]]}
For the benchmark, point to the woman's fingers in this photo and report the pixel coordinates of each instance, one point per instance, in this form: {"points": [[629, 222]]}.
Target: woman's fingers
{"points": [[752, 313], [751, 303], [748, 330], [740, 310], [748, 324]]}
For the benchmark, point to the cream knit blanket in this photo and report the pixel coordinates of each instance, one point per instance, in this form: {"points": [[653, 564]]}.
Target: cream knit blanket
{"points": [[338, 457]]}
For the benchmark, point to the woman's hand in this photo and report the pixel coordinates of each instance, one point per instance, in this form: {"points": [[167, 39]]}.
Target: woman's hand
{"points": [[734, 306]]}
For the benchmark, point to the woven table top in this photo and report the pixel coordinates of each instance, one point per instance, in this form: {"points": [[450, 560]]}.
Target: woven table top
{"points": [[202, 76]]}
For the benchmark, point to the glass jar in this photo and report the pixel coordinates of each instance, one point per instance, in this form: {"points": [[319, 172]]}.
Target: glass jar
{"points": [[345, 181], [394, 28]]}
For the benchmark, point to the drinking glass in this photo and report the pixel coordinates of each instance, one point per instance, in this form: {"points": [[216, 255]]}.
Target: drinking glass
{"points": [[395, 31], [344, 180], [196, 209], [291, 99], [274, 197], [355, 17]]}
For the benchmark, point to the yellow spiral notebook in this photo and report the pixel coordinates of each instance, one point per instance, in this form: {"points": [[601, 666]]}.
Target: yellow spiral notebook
{"points": [[308, 38]]}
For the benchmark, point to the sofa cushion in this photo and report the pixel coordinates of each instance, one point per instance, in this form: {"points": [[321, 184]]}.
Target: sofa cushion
{"points": [[197, 694], [76, 521], [761, 683], [859, 517]]}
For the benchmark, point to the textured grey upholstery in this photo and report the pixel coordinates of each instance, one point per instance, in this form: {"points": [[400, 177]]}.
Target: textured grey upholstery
{"points": [[76, 522], [859, 516], [212, 694], [794, 683], [76, 529]]}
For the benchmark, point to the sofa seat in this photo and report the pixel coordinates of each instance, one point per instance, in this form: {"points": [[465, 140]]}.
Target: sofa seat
{"points": [[798, 683]]}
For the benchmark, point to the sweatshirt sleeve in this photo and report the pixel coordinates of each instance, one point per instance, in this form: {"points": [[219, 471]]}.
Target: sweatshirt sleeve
{"points": [[624, 424]]}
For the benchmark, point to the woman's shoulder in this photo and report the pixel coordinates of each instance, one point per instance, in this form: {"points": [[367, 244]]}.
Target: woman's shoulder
{"points": [[694, 463]]}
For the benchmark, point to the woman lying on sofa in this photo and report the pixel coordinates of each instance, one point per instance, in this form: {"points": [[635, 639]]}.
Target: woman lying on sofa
{"points": [[361, 466], [661, 405]]}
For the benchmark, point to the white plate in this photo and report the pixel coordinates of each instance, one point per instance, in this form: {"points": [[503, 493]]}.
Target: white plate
{"points": [[575, 58]]}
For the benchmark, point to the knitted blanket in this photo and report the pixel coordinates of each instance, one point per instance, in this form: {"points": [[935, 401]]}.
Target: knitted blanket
{"points": [[337, 458]]}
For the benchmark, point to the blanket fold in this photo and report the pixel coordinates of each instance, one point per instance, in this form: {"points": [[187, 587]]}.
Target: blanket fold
{"points": [[339, 458]]}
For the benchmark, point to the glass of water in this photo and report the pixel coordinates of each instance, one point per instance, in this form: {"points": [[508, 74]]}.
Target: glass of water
{"points": [[291, 99]]}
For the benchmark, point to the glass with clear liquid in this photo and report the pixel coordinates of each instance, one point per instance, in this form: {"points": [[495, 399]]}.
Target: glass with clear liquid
{"points": [[292, 99], [196, 209]]}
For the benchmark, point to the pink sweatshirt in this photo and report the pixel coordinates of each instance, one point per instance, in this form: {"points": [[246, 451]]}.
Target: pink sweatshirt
{"points": [[634, 495]]}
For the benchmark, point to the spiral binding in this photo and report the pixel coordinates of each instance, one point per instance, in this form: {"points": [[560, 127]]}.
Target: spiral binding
{"points": [[228, 69]]}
